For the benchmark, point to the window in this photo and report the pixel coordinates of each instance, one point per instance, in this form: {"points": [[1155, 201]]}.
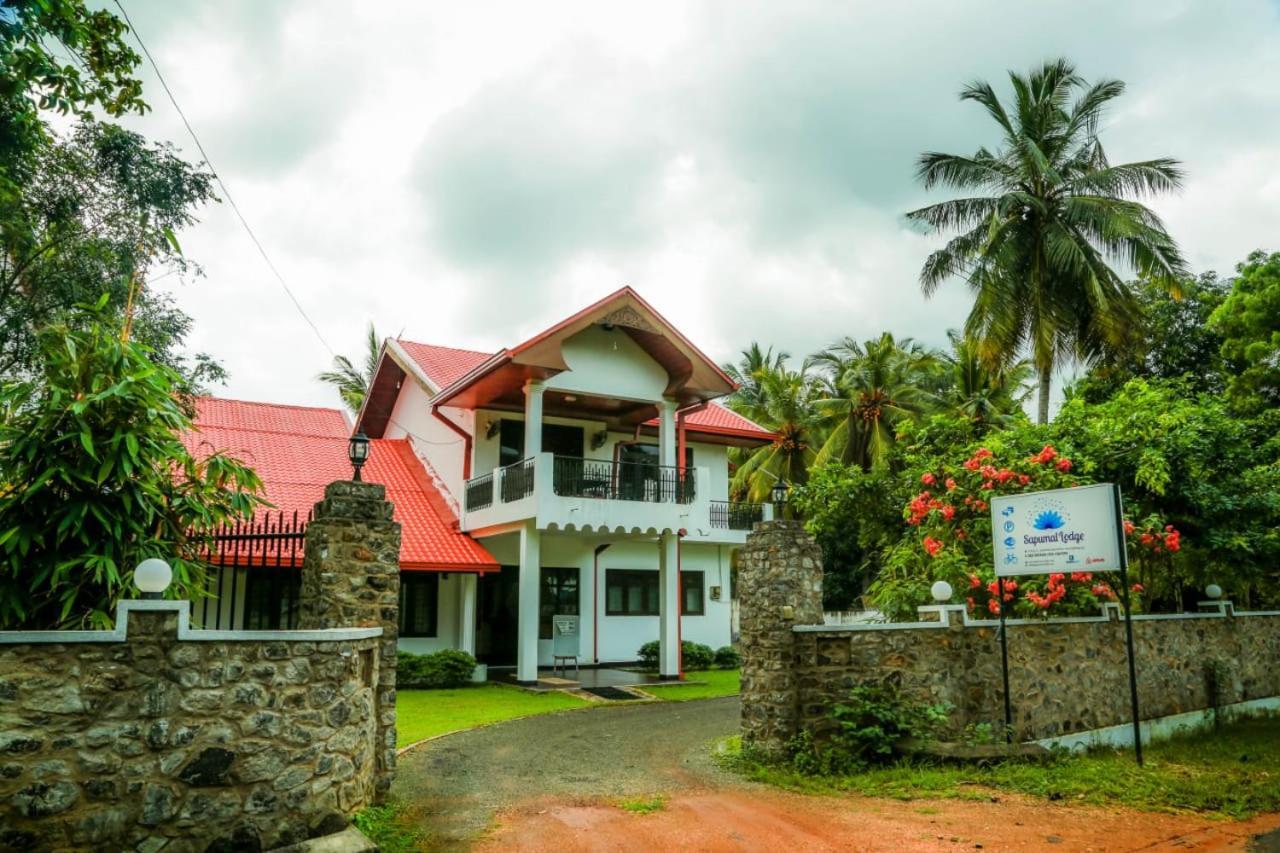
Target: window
{"points": [[556, 438], [692, 591], [271, 598], [635, 593], [419, 601], [559, 597]]}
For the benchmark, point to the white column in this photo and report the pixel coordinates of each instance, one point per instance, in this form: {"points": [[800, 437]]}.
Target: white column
{"points": [[527, 624], [667, 432], [467, 613], [533, 418], [668, 606]]}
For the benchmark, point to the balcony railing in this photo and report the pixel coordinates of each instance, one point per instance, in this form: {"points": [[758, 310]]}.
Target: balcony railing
{"points": [[517, 480], [479, 493], [622, 481], [732, 515]]}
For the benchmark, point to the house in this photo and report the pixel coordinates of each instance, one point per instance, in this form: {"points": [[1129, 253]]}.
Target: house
{"points": [[567, 493]]}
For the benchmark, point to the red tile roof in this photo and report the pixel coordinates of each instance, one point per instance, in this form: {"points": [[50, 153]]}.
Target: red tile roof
{"points": [[297, 451], [444, 365]]}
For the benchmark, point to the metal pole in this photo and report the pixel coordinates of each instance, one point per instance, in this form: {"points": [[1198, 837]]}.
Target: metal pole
{"points": [[1004, 661], [1128, 627]]}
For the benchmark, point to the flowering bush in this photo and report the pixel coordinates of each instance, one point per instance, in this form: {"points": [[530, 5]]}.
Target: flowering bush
{"points": [[952, 516]]}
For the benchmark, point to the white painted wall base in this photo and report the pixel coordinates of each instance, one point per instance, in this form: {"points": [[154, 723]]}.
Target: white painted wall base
{"points": [[1161, 728]]}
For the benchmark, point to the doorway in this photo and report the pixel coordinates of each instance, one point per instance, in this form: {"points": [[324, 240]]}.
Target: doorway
{"points": [[498, 613]]}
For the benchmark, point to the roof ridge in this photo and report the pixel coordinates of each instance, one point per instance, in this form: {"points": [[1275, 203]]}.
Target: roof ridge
{"points": [[264, 403], [444, 346]]}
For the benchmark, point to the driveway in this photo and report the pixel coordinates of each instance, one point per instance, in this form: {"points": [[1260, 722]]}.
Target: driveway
{"points": [[553, 783]]}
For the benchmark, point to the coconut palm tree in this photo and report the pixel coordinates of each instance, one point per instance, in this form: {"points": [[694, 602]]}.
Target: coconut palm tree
{"points": [[1043, 220], [786, 408], [749, 373], [352, 383], [866, 389], [988, 396]]}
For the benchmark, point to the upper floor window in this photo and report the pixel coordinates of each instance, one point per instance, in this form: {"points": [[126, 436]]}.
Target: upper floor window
{"points": [[556, 438]]}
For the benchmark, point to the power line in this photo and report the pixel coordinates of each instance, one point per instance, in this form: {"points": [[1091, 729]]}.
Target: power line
{"points": [[225, 191]]}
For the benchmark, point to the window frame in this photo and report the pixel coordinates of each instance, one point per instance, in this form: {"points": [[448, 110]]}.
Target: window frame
{"points": [[562, 578], [431, 582], [283, 592], [686, 587], [647, 579]]}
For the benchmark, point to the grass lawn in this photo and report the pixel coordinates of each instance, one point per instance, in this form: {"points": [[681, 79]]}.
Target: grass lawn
{"points": [[426, 713], [1231, 773], [707, 684]]}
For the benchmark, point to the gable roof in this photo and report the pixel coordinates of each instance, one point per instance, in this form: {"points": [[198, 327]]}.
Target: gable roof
{"points": [[299, 450]]}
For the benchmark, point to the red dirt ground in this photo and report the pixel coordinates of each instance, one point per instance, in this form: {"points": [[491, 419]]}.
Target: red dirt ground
{"points": [[767, 820]]}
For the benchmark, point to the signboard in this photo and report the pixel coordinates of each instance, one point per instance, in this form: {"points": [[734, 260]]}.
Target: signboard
{"points": [[1063, 530]]}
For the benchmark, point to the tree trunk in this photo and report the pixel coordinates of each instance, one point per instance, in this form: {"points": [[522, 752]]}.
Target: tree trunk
{"points": [[1043, 413]]}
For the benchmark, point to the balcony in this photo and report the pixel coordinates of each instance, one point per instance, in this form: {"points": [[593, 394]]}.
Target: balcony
{"points": [[603, 496]]}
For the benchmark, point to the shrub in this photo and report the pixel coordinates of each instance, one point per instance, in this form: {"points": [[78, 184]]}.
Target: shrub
{"points": [[727, 657], [438, 670], [866, 726], [695, 655]]}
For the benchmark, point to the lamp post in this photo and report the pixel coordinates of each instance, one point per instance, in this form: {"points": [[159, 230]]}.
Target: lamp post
{"points": [[152, 577], [779, 493], [358, 453]]}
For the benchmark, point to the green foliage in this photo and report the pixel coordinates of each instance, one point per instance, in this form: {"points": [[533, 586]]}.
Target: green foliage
{"points": [[1249, 323], [643, 805], [727, 657], [447, 668], [866, 725], [1040, 220], [95, 478], [97, 215], [385, 826], [692, 655], [352, 383]]}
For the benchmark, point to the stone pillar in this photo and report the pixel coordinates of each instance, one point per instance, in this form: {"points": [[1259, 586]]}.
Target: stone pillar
{"points": [[779, 587], [669, 606], [351, 578]]}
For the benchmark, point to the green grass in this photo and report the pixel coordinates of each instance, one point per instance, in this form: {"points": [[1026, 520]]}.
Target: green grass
{"points": [[381, 825], [426, 713], [707, 684], [1232, 773], [643, 806]]}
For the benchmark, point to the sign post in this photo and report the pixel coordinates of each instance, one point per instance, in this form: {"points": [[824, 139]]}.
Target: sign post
{"points": [[1064, 530]]}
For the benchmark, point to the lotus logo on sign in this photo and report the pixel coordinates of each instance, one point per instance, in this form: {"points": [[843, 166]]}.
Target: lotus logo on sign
{"points": [[1048, 520]]}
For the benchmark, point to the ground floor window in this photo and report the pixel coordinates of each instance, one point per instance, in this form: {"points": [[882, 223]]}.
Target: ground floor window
{"points": [[271, 598], [559, 597], [419, 602], [634, 592]]}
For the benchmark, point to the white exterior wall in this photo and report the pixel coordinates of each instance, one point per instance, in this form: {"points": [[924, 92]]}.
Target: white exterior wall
{"points": [[440, 446], [620, 637], [609, 364]]}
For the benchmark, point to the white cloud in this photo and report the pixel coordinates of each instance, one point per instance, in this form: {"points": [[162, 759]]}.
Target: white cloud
{"points": [[468, 173]]}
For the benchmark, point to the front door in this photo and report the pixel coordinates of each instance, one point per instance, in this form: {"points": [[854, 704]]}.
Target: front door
{"points": [[498, 609]]}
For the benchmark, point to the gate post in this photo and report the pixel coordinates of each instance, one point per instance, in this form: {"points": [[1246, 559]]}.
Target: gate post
{"points": [[351, 578], [779, 587]]}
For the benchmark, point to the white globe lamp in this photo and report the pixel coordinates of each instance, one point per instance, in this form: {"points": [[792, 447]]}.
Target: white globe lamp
{"points": [[152, 577], [1213, 591], [941, 592]]}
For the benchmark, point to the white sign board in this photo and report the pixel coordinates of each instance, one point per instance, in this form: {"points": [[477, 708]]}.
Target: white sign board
{"points": [[1063, 530]]}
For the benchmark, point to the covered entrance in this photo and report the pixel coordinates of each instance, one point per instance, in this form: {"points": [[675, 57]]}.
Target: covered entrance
{"points": [[497, 606]]}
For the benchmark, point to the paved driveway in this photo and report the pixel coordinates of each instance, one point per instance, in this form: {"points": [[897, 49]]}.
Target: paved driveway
{"points": [[456, 784]]}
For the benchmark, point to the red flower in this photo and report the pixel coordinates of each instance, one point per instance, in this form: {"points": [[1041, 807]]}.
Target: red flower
{"points": [[948, 512], [933, 546], [951, 484], [928, 479], [1064, 464], [975, 581], [1137, 587], [1128, 527], [993, 606], [1023, 479]]}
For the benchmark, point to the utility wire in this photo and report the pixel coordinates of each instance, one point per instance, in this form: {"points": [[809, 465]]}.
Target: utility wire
{"points": [[225, 191]]}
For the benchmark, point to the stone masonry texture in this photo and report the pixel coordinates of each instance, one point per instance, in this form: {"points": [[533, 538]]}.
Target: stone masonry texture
{"points": [[1066, 676], [154, 743], [351, 578]]}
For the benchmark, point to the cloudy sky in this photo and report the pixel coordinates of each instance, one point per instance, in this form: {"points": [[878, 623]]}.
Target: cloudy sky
{"points": [[468, 173]]}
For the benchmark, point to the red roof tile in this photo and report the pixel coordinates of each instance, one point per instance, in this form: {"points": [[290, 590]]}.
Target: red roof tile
{"points": [[297, 451], [444, 365], [717, 419]]}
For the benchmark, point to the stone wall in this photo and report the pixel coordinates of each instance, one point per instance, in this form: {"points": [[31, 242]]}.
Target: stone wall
{"points": [[351, 576], [1067, 676], [157, 736]]}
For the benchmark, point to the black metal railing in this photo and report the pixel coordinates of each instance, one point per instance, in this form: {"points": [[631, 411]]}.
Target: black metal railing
{"points": [[263, 556], [479, 493], [622, 481], [517, 480], [733, 515]]}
